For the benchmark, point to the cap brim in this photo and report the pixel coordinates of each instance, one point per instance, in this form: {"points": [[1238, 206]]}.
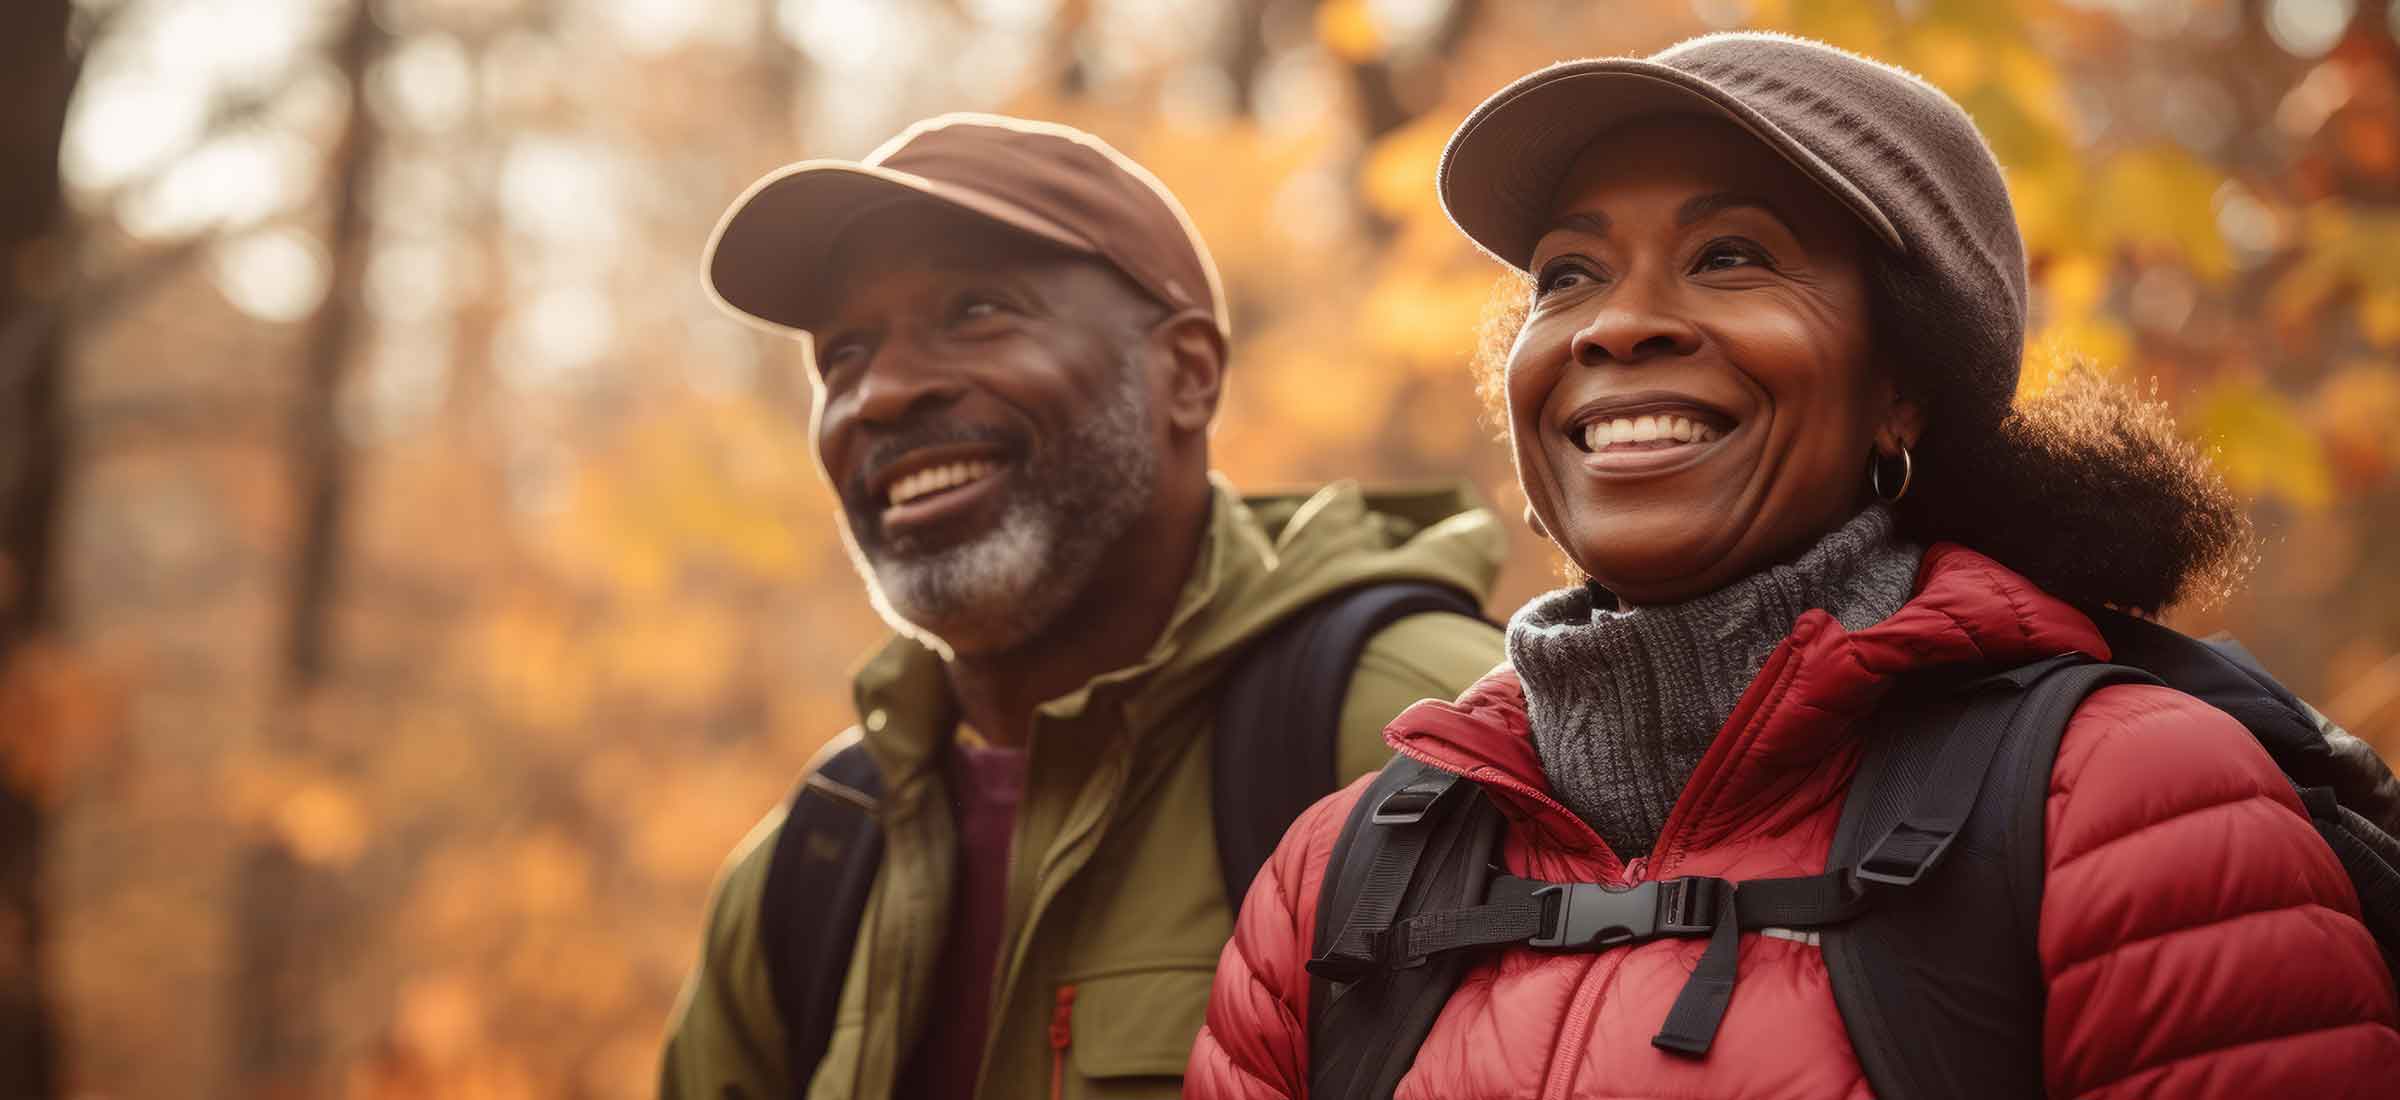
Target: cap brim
{"points": [[768, 257], [1501, 170]]}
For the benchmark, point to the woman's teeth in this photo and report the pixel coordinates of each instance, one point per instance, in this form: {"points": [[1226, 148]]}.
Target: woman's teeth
{"points": [[934, 479], [1599, 435]]}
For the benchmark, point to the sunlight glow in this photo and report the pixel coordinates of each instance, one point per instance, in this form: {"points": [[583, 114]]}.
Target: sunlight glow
{"points": [[850, 34], [2308, 28], [277, 276], [427, 83], [241, 179], [549, 341], [124, 124], [561, 192], [1018, 15], [654, 26]]}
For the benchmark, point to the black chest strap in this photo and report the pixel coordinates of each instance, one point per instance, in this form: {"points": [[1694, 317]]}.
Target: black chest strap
{"points": [[1587, 916]]}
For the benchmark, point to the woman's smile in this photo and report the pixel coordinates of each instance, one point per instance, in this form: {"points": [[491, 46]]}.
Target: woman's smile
{"points": [[1646, 434]]}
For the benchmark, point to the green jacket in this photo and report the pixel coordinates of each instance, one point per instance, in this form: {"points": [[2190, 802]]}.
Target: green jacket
{"points": [[1114, 892]]}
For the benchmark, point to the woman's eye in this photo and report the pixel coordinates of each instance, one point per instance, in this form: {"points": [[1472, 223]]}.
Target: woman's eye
{"points": [[1724, 256], [1560, 277]]}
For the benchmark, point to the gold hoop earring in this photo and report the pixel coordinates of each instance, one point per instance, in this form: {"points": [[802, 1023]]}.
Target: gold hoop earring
{"points": [[1908, 470], [1534, 520]]}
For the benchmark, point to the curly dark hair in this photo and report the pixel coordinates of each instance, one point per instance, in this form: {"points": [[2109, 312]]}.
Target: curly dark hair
{"points": [[2085, 488]]}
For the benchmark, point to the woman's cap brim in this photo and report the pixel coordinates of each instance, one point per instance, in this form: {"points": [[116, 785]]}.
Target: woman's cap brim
{"points": [[1502, 168]]}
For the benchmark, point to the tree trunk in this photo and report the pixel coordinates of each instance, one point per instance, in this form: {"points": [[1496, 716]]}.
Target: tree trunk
{"points": [[37, 71], [289, 912]]}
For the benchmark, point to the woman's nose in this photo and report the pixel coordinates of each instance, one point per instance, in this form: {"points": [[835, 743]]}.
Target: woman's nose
{"points": [[1634, 324]]}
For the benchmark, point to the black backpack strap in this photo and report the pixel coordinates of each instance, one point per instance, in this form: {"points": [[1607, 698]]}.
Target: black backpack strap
{"points": [[1419, 839], [1279, 716], [818, 877], [1939, 979]]}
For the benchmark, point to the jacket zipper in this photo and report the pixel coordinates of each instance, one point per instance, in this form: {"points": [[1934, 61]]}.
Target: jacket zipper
{"points": [[1062, 1034]]}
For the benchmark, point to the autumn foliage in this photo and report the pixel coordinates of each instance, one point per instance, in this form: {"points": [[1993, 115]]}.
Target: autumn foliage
{"points": [[440, 588]]}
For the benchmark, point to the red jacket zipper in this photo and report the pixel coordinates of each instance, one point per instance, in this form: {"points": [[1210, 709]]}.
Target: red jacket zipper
{"points": [[1062, 1033]]}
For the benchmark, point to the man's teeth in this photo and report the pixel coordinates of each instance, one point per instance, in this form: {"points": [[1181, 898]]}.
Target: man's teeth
{"points": [[1599, 434], [934, 479]]}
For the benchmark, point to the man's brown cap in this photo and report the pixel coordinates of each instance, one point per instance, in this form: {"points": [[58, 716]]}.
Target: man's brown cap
{"points": [[770, 256], [1895, 151]]}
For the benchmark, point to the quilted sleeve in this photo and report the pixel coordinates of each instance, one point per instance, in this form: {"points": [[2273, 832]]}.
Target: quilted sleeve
{"points": [[1254, 1045], [2198, 937]]}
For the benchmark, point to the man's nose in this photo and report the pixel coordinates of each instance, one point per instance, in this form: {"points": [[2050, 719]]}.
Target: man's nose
{"points": [[903, 380], [1635, 322]]}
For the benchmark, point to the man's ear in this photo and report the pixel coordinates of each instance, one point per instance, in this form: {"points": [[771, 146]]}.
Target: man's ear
{"points": [[1196, 368]]}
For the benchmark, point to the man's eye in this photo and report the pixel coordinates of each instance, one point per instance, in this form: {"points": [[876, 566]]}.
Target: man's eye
{"points": [[841, 356], [975, 309]]}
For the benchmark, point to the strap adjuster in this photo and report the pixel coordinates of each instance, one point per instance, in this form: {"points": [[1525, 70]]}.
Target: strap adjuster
{"points": [[1342, 969], [1589, 916], [1904, 854], [1409, 804]]}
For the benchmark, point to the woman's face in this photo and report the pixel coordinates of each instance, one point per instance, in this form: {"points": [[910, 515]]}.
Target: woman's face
{"points": [[1690, 398]]}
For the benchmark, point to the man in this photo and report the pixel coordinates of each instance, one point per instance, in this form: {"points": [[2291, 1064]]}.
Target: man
{"points": [[1018, 348]]}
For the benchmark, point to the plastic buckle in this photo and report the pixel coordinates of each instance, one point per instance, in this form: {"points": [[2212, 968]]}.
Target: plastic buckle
{"points": [[1587, 915], [1407, 806], [1897, 868], [1688, 906]]}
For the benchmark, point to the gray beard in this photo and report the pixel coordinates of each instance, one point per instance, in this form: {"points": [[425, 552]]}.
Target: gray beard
{"points": [[1071, 503]]}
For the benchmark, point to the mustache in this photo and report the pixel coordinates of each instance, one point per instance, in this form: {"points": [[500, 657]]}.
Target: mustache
{"points": [[915, 435]]}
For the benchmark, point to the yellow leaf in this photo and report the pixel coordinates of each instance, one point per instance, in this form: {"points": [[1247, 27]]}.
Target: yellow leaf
{"points": [[2358, 406], [2263, 447], [2073, 285], [1950, 58], [2379, 317], [2094, 340], [1398, 174], [322, 824], [1348, 29], [553, 876], [2163, 197]]}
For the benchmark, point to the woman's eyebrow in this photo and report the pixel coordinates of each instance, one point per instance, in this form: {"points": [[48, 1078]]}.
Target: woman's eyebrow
{"points": [[1583, 221], [1702, 206]]}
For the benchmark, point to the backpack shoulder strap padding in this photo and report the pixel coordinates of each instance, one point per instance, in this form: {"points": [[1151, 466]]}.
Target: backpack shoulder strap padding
{"points": [[1279, 716], [818, 878], [1939, 981], [1418, 838]]}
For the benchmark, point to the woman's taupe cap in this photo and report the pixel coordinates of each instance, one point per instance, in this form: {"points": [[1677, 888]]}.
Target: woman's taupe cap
{"points": [[770, 257], [1888, 146]]}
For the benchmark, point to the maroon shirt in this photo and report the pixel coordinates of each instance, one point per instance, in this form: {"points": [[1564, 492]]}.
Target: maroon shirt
{"points": [[986, 783]]}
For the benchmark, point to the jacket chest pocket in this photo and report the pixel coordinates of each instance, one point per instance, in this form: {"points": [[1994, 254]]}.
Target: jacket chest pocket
{"points": [[1126, 1035]]}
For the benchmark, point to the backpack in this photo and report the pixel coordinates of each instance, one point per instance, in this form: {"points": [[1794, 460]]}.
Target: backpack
{"points": [[1278, 724], [1927, 914]]}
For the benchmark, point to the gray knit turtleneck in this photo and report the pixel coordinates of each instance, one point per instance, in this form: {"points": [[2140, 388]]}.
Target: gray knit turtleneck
{"points": [[1623, 704]]}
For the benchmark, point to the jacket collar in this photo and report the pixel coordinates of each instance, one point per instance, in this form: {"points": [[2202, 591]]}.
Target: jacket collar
{"points": [[1968, 611], [908, 716]]}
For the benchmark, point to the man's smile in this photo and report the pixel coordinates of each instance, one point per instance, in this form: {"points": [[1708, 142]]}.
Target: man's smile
{"points": [[915, 495]]}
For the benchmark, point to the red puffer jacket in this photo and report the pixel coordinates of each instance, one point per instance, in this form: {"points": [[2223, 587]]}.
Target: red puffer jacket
{"points": [[2198, 937]]}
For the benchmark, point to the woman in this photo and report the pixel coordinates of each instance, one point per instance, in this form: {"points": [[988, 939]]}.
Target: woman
{"points": [[1759, 393]]}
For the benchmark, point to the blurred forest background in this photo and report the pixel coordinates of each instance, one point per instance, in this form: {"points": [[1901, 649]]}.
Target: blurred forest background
{"points": [[410, 589]]}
